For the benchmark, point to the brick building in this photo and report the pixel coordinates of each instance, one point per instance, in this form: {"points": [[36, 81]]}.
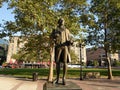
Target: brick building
{"points": [[99, 56]]}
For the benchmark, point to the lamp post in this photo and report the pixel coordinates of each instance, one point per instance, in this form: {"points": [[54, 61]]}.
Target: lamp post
{"points": [[80, 45]]}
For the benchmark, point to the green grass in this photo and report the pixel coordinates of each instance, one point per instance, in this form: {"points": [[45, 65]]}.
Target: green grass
{"points": [[103, 72], [44, 72], [24, 72]]}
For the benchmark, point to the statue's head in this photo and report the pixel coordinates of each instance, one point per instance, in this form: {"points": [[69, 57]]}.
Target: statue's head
{"points": [[61, 21]]}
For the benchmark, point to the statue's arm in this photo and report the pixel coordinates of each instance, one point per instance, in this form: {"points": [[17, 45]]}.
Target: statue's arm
{"points": [[70, 37]]}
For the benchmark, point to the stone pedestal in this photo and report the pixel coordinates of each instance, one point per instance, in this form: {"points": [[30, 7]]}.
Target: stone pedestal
{"points": [[69, 86]]}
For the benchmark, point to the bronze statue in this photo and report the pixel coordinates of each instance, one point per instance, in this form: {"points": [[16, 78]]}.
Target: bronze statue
{"points": [[61, 37]]}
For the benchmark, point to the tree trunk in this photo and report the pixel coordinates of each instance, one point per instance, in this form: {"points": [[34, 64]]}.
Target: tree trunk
{"points": [[106, 44], [50, 77], [108, 64], [109, 68]]}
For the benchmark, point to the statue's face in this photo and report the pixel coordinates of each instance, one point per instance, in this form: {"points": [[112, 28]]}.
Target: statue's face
{"points": [[61, 21]]}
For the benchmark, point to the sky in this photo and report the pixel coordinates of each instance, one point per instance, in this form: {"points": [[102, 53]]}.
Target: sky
{"points": [[6, 14]]}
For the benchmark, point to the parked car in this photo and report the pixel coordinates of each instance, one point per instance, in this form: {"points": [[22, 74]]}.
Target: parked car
{"points": [[89, 66], [74, 66]]}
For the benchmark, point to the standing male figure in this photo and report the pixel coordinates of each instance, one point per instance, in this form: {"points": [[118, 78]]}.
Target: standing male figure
{"points": [[61, 37]]}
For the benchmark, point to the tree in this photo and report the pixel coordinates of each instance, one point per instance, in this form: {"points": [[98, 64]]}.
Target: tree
{"points": [[16, 56], [103, 30], [116, 63], [36, 19], [74, 57]]}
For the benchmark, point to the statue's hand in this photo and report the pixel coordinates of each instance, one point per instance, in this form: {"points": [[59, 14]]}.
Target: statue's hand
{"points": [[69, 43]]}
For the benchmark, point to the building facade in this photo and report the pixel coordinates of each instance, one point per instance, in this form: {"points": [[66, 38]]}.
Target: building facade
{"points": [[76, 48], [99, 56], [13, 47]]}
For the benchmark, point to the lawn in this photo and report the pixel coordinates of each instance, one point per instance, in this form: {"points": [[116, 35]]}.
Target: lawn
{"points": [[43, 72]]}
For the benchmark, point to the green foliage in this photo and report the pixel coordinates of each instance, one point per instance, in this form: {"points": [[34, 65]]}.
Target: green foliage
{"points": [[36, 48], [105, 32], [34, 16], [74, 57], [116, 63], [95, 63], [104, 29], [35, 19], [16, 56]]}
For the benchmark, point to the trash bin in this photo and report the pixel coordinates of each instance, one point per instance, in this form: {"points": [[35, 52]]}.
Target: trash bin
{"points": [[35, 76]]}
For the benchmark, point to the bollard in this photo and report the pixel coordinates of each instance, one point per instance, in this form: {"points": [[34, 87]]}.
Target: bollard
{"points": [[35, 76]]}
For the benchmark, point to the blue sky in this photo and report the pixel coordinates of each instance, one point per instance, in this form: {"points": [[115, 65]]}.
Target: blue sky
{"points": [[6, 14]]}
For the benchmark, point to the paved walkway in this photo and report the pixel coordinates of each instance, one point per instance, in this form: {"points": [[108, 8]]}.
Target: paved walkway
{"points": [[11, 83], [99, 84]]}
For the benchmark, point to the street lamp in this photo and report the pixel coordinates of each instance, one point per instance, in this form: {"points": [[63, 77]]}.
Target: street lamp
{"points": [[81, 45]]}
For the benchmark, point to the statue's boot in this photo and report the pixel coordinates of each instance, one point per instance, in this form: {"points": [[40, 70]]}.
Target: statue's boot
{"points": [[64, 81]]}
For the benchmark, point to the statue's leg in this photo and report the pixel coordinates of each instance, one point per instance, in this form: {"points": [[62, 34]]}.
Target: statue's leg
{"points": [[57, 71], [65, 66], [58, 65], [64, 73]]}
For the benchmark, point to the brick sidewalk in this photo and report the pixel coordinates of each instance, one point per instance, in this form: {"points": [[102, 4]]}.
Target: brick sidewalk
{"points": [[11, 83]]}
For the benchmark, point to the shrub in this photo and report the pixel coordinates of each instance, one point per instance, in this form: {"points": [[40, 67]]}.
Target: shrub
{"points": [[116, 63]]}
